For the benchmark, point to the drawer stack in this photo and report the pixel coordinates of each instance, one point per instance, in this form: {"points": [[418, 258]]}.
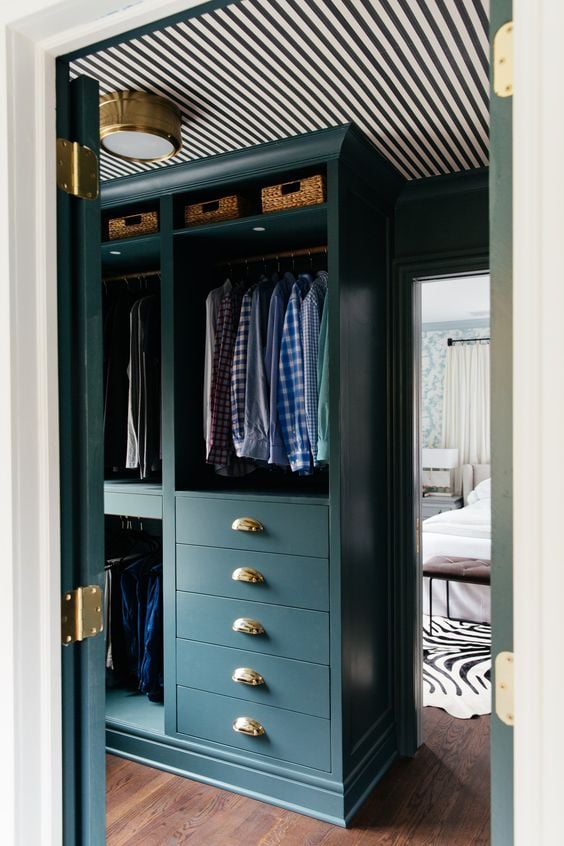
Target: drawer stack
{"points": [[253, 626]]}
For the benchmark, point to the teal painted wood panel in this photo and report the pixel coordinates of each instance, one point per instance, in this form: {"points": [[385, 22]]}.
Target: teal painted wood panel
{"points": [[132, 711], [293, 685], [133, 505], [360, 402], [289, 632], [288, 579], [501, 248], [81, 463], [288, 528], [296, 738]]}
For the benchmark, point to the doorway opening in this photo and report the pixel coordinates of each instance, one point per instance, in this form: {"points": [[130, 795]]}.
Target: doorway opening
{"points": [[453, 476]]}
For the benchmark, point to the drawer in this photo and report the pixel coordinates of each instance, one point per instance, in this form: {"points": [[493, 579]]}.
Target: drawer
{"points": [[290, 528], [288, 579], [294, 685], [291, 737], [289, 632]]}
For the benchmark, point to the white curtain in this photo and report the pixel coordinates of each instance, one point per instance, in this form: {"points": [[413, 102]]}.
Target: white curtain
{"points": [[466, 406]]}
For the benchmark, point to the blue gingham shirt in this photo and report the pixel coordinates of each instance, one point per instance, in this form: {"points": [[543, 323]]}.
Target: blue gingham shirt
{"points": [[312, 309], [291, 390], [239, 374]]}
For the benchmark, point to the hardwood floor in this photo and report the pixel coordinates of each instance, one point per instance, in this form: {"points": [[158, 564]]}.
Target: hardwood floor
{"points": [[438, 798]]}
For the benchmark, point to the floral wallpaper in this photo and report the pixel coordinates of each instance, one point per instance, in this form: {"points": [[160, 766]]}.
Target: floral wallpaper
{"points": [[433, 364]]}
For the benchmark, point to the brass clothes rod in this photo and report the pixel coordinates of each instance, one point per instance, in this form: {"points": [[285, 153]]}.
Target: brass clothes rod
{"points": [[263, 257], [125, 277]]}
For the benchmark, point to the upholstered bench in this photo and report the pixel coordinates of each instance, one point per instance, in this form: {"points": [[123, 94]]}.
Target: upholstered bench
{"points": [[473, 571]]}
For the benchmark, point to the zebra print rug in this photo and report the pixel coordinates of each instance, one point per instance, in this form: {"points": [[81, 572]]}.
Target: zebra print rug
{"points": [[457, 667]]}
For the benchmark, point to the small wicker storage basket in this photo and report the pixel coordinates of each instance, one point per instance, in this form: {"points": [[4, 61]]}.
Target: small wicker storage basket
{"points": [[291, 195], [133, 224], [226, 208]]}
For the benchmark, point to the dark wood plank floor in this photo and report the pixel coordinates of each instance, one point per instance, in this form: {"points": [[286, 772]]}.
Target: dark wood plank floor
{"points": [[438, 798]]}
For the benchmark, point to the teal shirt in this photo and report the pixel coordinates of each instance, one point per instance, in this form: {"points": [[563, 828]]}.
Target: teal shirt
{"points": [[323, 389]]}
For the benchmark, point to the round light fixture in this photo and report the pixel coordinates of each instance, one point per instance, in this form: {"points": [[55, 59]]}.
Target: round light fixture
{"points": [[139, 126], [259, 228]]}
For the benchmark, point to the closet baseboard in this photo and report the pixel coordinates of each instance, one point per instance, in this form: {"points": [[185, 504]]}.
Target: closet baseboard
{"points": [[318, 797]]}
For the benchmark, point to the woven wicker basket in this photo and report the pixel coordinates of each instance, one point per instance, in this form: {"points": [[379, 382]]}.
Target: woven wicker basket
{"points": [[226, 208], [292, 195], [133, 224]]}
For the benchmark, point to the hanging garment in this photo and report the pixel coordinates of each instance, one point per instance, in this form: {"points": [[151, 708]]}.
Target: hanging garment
{"points": [[323, 387], [257, 400], [220, 439], [291, 391], [312, 309], [213, 302], [141, 596], [117, 308], [144, 403], [239, 373], [151, 668], [278, 304]]}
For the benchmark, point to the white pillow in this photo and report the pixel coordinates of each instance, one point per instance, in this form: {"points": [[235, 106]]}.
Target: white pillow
{"points": [[481, 491]]}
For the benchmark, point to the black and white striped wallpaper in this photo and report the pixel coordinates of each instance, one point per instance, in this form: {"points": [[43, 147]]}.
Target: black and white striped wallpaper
{"points": [[412, 74]]}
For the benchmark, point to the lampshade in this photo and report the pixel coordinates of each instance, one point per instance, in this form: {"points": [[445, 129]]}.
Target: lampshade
{"points": [[139, 126], [439, 459]]}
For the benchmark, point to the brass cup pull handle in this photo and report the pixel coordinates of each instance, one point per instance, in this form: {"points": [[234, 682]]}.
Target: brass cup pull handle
{"points": [[244, 675], [247, 574], [248, 726], [247, 524], [247, 626]]}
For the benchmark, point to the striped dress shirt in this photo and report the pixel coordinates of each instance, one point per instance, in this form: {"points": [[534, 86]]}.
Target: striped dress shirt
{"points": [[278, 304], [312, 309]]}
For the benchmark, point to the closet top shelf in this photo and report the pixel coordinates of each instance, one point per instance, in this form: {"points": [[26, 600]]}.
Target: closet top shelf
{"points": [[141, 251], [264, 232]]}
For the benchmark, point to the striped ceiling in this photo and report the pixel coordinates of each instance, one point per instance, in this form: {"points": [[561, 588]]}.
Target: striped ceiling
{"points": [[412, 74]]}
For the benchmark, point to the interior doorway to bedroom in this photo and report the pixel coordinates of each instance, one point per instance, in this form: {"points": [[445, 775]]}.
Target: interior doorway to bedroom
{"points": [[453, 427]]}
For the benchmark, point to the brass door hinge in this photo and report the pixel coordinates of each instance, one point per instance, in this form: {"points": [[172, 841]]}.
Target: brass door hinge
{"points": [[81, 614], [77, 169], [503, 60], [504, 707]]}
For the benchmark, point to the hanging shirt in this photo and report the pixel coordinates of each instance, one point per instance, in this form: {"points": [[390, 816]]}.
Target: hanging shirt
{"points": [[220, 438], [323, 387], [212, 309], [291, 392], [239, 374], [257, 400], [278, 304], [144, 402], [312, 309]]}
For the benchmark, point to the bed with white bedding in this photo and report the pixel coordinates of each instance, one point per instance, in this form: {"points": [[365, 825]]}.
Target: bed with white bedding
{"points": [[464, 532]]}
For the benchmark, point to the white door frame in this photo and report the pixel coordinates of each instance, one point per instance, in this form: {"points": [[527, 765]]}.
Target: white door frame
{"points": [[30, 764]]}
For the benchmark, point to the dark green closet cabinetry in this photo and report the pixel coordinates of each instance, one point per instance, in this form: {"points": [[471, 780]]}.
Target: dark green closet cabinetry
{"points": [[283, 632]]}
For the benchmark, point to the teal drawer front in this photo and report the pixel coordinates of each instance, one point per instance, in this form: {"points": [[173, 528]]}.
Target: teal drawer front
{"points": [[289, 528], [288, 580], [291, 737], [294, 685], [133, 504], [289, 632]]}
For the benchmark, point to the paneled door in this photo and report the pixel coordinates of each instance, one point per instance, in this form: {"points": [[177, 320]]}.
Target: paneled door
{"points": [[82, 470]]}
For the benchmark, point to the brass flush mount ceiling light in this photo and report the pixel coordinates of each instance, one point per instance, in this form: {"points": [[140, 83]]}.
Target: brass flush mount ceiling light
{"points": [[139, 126]]}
